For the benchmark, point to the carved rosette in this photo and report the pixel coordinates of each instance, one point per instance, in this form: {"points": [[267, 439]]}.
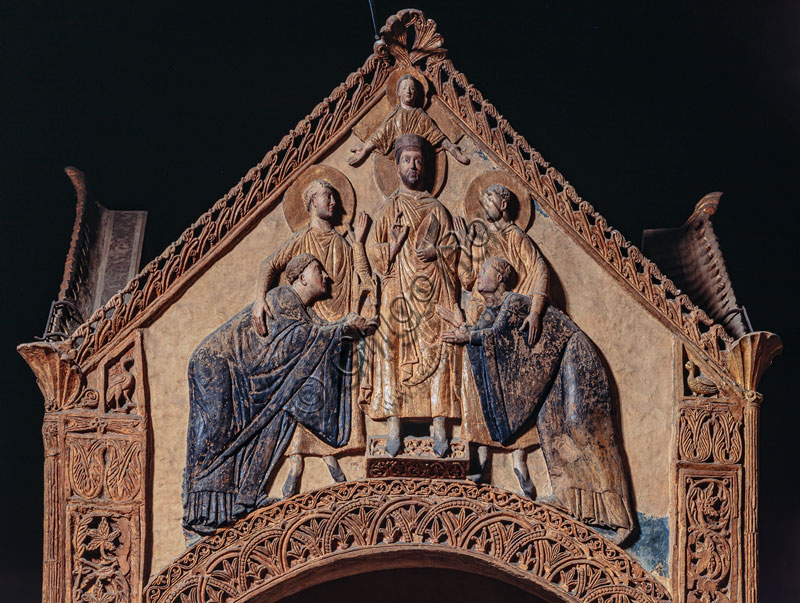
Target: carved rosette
{"points": [[472, 523]]}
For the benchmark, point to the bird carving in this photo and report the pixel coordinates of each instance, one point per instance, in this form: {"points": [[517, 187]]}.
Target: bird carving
{"points": [[121, 385], [699, 384]]}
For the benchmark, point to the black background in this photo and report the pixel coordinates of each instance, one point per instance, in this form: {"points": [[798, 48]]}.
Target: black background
{"points": [[644, 107]]}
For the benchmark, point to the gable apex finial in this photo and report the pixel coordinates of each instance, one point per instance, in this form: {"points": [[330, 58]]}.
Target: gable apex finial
{"points": [[411, 39]]}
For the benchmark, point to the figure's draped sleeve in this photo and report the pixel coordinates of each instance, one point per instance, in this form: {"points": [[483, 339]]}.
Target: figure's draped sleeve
{"points": [[246, 395], [405, 121], [379, 239], [534, 276]]}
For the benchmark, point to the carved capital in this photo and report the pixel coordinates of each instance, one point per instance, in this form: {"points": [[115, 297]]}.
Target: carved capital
{"points": [[750, 356], [58, 377]]}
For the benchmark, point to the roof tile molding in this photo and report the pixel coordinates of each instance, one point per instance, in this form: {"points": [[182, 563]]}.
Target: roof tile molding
{"points": [[408, 38]]}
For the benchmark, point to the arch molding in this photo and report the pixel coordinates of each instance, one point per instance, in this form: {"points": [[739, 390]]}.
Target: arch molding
{"points": [[361, 526]]}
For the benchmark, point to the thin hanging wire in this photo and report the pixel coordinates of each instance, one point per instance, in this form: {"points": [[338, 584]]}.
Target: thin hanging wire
{"points": [[374, 26]]}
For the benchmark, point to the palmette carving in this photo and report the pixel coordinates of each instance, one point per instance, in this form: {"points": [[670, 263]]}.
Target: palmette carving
{"points": [[111, 468], [709, 434], [555, 551]]}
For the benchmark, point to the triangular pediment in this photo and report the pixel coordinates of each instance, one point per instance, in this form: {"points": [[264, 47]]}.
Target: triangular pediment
{"points": [[409, 42]]}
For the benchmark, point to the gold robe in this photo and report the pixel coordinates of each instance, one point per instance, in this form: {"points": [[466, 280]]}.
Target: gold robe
{"points": [[415, 375], [405, 121], [337, 257], [532, 275]]}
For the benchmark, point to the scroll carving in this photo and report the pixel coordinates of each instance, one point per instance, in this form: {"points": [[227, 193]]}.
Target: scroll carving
{"points": [[553, 550], [101, 564], [709, 434], [711, 514]]}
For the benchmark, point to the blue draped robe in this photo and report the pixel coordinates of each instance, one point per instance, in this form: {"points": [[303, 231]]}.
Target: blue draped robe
{"points": [[247, 393], [559, 385]]}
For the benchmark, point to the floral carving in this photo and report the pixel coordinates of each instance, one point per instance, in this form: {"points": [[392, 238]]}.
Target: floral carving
{"points": [[710, 512], [709, 433], [101, 564], [556, 552], [86, 467]]}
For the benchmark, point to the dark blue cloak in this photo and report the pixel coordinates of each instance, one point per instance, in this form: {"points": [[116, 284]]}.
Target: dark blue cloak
{"points": [[559, 385], [246, 395]]}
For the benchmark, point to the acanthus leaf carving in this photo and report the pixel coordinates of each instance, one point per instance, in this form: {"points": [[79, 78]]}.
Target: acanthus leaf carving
{"points": [[411, 38]]}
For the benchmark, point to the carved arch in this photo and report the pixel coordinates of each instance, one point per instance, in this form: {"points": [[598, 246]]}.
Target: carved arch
{"points": [[374, 524]]}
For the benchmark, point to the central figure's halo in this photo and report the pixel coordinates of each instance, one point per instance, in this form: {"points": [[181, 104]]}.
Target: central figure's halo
{"points": [[294, 208], [520, 214]]}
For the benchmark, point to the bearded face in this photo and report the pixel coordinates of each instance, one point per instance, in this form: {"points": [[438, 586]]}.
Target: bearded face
{"points": [[411, 168]]}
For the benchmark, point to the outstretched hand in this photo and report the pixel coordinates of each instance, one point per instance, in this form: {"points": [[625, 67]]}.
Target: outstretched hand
{"points": [[358, 155], [458, 336]]}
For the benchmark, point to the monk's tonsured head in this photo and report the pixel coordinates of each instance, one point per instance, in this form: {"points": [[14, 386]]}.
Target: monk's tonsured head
{"points": [[305, 274], [495, 275]]}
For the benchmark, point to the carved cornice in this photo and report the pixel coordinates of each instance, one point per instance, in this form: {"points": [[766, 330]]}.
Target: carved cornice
{"points": [[543, 547], [406, 39]]}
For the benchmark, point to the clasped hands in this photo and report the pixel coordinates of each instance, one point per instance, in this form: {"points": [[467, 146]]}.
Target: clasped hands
{"points": [[460, 335]]}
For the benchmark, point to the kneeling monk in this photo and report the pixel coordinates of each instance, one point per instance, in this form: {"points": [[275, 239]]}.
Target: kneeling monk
{"points": [[248, 392]]}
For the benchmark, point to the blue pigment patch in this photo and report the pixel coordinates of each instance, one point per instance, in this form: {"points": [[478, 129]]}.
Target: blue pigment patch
{"points": [[539, 209], [481, 154], [651, 547]]}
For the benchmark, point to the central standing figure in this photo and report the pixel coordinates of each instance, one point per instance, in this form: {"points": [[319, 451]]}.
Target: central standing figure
{"points": [[413, 248]]}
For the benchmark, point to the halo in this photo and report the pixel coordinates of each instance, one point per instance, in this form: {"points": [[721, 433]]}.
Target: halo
{"points": [[394, 77], [472, 200], [294, 209], [385, 172]]}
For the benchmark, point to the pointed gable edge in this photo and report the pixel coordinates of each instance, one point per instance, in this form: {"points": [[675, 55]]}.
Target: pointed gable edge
{"points": [[407, 39]]}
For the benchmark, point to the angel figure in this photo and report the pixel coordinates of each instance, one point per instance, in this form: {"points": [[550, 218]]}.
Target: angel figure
{"points": [[406, 118]]}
